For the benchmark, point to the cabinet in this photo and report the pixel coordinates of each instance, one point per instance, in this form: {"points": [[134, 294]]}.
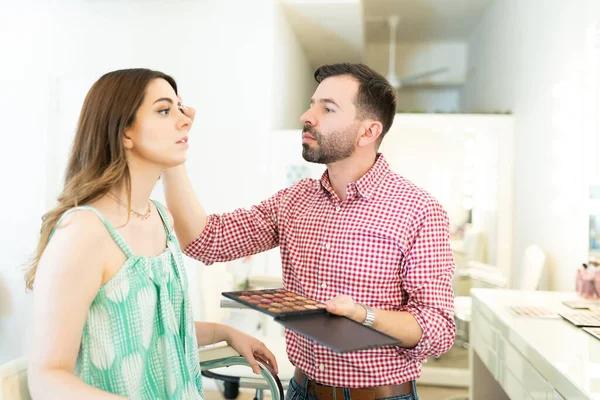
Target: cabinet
{"points": [[526, 358]]}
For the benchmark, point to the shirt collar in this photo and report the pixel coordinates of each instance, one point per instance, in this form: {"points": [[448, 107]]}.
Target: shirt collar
{"points": [[366, 185]]}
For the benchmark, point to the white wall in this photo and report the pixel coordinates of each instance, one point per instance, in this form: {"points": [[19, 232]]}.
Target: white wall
{"points": [[530, 57], [224, 63], [24, 112], [294, 84]]}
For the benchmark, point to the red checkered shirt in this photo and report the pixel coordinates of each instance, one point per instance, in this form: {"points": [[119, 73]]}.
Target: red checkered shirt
{"points": [[387, 245]]}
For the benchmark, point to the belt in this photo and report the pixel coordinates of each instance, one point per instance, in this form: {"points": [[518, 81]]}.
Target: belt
{"points": [[369, 393]]}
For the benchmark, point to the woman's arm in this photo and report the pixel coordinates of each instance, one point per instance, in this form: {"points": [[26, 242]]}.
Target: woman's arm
{"points": [[68, 278], [248, 346]]}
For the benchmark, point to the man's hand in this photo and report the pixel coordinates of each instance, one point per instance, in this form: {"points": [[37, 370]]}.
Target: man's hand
{"points": [[346, 307], [189, 112]]}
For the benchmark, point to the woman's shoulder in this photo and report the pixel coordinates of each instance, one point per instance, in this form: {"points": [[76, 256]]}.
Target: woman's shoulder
{"points": [[82, 222], [170, 218], [78, 243]]}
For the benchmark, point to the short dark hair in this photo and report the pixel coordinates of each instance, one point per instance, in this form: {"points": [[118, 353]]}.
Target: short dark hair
{"points": [[376, 98]]}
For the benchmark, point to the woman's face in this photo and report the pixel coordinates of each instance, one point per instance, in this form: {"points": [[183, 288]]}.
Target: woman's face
{"points": [[159, 133]]}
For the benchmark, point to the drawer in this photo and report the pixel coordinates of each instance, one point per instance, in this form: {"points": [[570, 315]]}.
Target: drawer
{"points": [[520, 369], [512, 386], [483, 329], [486, 354]]}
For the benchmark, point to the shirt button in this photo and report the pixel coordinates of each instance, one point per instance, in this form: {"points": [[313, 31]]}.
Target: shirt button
{"points": [[327, 246], [324, 285], [321, 367], [338, 208]]}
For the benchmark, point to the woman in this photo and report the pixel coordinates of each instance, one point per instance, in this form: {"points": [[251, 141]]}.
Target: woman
{"points": [[112, 315]]}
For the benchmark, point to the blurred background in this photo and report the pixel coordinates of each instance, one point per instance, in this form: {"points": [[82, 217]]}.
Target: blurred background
{"points": [[498, 116]]}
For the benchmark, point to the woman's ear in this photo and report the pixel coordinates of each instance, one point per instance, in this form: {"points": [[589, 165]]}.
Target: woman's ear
{"points": [[127, 142]]}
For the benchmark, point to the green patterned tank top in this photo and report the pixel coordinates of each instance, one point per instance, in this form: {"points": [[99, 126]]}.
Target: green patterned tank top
{"points": [[139, 339]]}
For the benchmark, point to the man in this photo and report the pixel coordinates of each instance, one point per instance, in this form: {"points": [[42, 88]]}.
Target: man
{"points": [[365, 240]]}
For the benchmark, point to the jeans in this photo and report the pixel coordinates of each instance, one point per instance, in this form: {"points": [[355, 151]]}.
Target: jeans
{"points": [[297, 391]]}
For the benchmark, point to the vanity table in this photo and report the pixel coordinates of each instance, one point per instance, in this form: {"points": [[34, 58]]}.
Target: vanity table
{"points": [[520, 357]]}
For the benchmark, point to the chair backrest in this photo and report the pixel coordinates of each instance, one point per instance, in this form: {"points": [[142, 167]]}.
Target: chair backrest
{"points": [[13, 380], [532, 267], [475, 245], [485, 275]]}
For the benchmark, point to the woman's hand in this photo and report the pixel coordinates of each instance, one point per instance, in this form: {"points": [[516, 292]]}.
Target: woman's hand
{"points": [[249, 348]]}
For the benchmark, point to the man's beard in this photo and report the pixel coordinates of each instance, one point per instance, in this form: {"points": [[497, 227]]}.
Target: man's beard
{"points": [[334, 147]]}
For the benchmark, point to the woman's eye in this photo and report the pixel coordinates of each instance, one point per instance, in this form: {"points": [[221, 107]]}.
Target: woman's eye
{"points": [[164, 112], [328, 110]]}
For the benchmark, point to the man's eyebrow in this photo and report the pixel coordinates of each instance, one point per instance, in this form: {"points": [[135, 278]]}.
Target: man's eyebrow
{"points": [[312, 101]]}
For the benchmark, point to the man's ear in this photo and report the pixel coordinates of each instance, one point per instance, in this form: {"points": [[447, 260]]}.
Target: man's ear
{"points": [[371, 130]]}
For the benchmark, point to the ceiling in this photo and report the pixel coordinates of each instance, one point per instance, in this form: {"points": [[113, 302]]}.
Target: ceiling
{"points": [[349, 30], [423, 20], [328, 30]]}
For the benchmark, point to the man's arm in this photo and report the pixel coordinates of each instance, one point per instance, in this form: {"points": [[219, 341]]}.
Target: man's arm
{"points": [[225, 237], [425, 325], [398, 324]]}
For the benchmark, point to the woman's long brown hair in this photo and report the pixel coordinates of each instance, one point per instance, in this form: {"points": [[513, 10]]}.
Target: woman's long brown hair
{"points": [[97, 162]]}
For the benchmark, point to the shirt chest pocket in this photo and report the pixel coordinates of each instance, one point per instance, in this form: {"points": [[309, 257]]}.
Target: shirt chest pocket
{"points": [[367, 262]]}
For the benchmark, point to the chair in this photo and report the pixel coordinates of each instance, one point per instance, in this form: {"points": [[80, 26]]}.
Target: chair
{"points": [[13, 375], [530, 274], [532, 268], [226, 358], [476, 245], [237, 377], [472, 248]]}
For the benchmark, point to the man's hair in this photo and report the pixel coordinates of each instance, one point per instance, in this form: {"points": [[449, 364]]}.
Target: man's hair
{"points": [[375, 99]]}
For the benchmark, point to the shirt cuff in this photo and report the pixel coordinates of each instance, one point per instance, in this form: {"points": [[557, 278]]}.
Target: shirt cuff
{"points": [[421, 349]]}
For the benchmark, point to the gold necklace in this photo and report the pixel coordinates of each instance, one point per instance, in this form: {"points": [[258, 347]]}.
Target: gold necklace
{"points": [[133, 212]]}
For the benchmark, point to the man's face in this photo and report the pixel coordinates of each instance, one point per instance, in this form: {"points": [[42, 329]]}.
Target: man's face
{"points": [[330, 131]]}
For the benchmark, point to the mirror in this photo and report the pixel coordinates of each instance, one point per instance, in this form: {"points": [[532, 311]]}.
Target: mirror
{"points": [[465, 161]]}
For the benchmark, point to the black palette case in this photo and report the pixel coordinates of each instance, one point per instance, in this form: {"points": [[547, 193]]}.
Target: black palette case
{"points": [[309, 318]]}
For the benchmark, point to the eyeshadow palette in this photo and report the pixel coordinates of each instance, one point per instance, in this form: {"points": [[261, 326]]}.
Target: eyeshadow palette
{"points": [[582, 318], [310, 319], [582, 304], [277, 302], [595, 332], [533, 312]]}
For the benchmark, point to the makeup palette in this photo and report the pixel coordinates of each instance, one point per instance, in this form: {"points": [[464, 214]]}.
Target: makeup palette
{"points": [[309, 318], [595, 332], [277, 302], [583, 318], [582, 304], [533, 312]]}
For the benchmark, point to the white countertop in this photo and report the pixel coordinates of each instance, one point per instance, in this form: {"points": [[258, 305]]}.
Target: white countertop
{"points": [[566, 356]]}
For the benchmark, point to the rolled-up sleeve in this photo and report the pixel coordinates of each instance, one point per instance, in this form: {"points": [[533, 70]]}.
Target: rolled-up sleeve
{"points": [[241, 233], [427, 278]]}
